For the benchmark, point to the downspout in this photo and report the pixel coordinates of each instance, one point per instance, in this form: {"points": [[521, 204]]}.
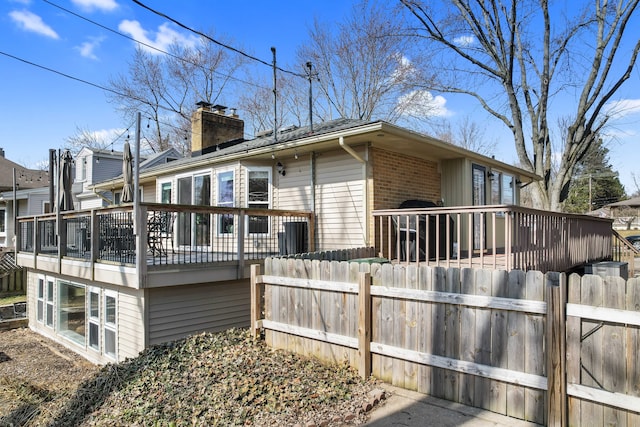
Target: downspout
{"points": [[365, 197], [313, 199]]}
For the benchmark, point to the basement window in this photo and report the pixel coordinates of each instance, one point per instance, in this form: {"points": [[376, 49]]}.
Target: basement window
{"points": [[72, 311]]}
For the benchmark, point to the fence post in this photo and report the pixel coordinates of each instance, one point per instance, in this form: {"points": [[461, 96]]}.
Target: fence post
{"points": [[556, 284], [364, 325], [255, 300]]}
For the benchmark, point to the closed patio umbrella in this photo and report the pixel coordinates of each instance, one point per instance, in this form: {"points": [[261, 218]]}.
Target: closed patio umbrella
{"points": [[66, 198], [127, 174]]}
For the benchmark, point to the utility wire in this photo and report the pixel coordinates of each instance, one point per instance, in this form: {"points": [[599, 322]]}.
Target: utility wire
{"points": [[60, 73], [151, 46], [201, 34]]}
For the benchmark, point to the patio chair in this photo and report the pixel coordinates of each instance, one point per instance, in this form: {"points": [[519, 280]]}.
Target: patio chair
{"points": [[159, 231]]}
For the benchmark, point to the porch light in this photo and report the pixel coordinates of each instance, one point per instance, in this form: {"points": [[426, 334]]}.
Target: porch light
{"points": [[280, 169]]}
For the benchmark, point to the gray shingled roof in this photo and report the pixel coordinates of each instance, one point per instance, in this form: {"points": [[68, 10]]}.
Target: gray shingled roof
{"points": [[287, 135], [26, 178]]}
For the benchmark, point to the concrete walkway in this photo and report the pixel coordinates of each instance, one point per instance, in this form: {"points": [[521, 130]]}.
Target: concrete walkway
{"points": [[409, 408]]}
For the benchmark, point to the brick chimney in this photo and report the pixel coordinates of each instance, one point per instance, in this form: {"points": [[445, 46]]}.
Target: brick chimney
{"points": [[211, 126]]}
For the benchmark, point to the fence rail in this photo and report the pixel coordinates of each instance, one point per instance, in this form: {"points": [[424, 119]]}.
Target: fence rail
{"points": [[491, 339], [504, 237]]}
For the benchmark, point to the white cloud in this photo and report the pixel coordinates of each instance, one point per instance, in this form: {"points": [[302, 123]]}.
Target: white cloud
{"points": [[464, 40], [163, 38], [31, 22], [422, 103], [88, 48], [91, 5], [622, 108]]}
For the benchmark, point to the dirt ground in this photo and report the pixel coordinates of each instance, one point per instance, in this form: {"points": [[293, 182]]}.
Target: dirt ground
{"points": [[36, 376]]}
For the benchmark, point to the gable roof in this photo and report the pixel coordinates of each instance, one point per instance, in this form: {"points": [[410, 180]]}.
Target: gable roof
{"points": [[161, 158]]}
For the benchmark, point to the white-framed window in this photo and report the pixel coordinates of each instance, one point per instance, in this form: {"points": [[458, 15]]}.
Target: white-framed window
{"points": [[117, 196], [49, 308], [194, 229], [258, 196], [225, 197], [40, 300], [166, 190], [110, 324], [3, 222], [93, 312], [72, 315]]}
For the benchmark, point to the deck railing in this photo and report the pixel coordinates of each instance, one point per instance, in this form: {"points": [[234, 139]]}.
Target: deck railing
{"points": [[503, 237], [167, 234], [623, 251]]}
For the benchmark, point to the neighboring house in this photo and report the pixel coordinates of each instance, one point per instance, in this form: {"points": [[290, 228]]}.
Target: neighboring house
{"points": [[179, 263], [98, 165], [625, 213], [31, 201]]}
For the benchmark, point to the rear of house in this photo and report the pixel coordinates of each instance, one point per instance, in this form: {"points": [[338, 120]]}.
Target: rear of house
{"points": [[322, 187]]}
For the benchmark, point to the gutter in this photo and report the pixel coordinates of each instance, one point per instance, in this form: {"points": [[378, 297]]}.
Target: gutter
{"points": [[365, 186]]}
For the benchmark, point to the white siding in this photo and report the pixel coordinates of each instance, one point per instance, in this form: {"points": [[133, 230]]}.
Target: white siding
{"points": [[149, 193], [179, 311], [130, 322], [294, 189], [91, 203], [339, 201]]}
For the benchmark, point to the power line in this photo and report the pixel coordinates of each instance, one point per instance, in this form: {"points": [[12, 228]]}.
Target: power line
{"points": [[60, 73], [201, 34], [151, 46]]}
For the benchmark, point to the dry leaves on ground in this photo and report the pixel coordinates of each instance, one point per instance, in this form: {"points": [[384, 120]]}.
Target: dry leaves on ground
{"points": [[207, 379]]}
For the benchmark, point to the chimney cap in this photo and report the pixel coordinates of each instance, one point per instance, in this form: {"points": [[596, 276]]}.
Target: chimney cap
{"points": [[203, 104], [219, 108]]}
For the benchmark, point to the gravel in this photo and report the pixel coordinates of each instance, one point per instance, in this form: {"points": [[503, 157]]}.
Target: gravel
{"points": [[207, 379]]}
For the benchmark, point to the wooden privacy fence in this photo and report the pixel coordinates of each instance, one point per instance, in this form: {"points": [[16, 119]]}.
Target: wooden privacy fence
{"points": [[486, 338]]}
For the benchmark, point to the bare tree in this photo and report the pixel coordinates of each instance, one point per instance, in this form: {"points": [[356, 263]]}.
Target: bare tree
{"points": [[165, 86], [360, 65], [467, 134], [83, 137], [517, 57]]}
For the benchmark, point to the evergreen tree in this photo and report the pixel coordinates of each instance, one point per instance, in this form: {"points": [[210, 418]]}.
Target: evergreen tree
{"points": [[594, 184]]}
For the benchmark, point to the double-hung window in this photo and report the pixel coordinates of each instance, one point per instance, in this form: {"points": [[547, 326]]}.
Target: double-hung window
{"points": [[225, 198], [258, 196], [110, 324], [40, 304], [45, 300], [94, 318], [49, 312]]}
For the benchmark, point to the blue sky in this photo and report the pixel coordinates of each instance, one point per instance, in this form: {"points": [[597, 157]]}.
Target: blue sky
{"points": [[40, 109]]}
